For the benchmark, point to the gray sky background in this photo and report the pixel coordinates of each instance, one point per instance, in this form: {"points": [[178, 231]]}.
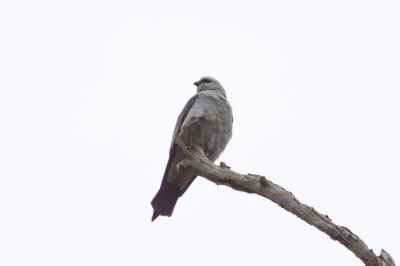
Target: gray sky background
{"points": [[90, 92]]}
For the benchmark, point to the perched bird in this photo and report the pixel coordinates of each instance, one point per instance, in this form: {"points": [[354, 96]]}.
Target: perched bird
{"points": [[206, 121]]}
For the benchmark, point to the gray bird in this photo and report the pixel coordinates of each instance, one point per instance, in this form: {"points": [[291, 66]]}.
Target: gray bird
{"points": [[206, 121]]}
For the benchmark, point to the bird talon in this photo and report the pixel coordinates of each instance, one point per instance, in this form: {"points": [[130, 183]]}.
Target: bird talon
{"points": [[184, 165]]}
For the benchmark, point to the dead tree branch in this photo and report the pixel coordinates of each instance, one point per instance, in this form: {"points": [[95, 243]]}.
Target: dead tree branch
{"points": [[260, 185]]}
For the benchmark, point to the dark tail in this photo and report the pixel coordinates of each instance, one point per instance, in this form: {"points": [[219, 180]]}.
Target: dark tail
{"points": [[164, 201]]}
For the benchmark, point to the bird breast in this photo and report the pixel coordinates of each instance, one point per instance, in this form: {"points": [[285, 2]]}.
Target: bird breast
{"points": [[209, 124]]}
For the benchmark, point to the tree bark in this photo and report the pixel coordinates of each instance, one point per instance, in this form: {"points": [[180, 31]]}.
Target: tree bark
{"points": [[257, 184]]}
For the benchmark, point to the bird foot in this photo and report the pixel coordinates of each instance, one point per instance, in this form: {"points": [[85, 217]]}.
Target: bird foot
{"points": [[184, 165], [197, 148]]}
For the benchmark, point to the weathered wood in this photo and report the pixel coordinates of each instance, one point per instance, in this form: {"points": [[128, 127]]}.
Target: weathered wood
{"points": [[260, 185]]}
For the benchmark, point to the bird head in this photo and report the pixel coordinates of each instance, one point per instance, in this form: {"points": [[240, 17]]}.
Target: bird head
{"points": [[209, 83]]}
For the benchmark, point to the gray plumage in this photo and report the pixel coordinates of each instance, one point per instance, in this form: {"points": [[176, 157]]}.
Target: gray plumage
{"points": [[206, 120]]}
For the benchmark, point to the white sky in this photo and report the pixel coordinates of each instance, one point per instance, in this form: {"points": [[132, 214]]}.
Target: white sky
{"points": [[90, 92]]}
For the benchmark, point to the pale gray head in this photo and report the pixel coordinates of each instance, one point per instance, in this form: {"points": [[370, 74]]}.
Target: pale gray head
{"points": [[209, 83]]}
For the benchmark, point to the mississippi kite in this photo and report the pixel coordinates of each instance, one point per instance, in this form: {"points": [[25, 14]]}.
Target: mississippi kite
{"points": [[206, 121]]}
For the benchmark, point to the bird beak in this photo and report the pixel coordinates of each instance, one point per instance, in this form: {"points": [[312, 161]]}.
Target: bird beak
{"points": [[197, 83]]}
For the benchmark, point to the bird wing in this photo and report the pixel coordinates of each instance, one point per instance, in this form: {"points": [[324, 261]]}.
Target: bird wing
{"points": [[171, 187]]}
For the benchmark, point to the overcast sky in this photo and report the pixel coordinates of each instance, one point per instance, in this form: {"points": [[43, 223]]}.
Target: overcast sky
{"points": [[90, 92]]}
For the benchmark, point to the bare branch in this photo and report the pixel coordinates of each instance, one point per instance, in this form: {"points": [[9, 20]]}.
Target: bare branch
{"points": [[257, 184]]}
